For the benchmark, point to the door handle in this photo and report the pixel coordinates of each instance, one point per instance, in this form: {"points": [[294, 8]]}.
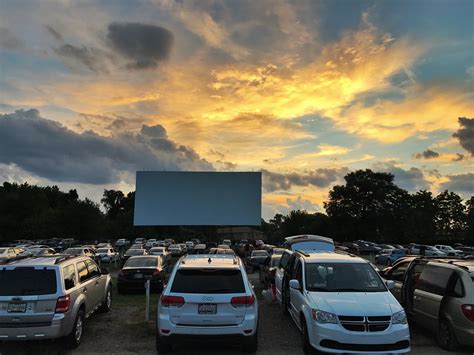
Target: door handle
{"points": [[84, 290], [416, 298]]}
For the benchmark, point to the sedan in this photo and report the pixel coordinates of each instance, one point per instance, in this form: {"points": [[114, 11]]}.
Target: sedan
{"points": [[132, 252], [137, 270], [389, 256], [107, 255], [257, 258]]}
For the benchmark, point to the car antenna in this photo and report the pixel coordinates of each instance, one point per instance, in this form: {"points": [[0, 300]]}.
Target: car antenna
{"points": [[209, 260]]}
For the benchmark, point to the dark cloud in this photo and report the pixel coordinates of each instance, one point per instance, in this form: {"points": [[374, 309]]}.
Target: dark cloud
{"points": [[8, 40], [273, 181], [465, 134], [92, 58], [459, 157], [114, 123], [463, 183], [145, 45], [427, 154], [49, 150], [412, 179], [57, 36]]}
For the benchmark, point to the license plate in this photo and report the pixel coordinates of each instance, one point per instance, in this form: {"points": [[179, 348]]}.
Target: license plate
{"points": [[16, 307], [138, 276], [207, 308]]}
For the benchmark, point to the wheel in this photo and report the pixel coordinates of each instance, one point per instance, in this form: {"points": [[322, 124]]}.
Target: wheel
{"points": [[251, 345], [307, 348], [73, 340], [107, 304], [163, 345], [446, 337]]}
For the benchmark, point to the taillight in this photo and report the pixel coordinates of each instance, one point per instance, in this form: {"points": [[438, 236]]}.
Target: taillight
{"points": [[242, 301], [62, 304], [468, 310], [171, 301]]}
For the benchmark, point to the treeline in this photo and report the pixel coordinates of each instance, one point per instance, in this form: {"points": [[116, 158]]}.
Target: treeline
{"points": [[368, 206]]}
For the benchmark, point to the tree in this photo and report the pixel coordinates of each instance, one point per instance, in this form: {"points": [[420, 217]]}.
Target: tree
{"points": [[450, 218], [420, 218]]}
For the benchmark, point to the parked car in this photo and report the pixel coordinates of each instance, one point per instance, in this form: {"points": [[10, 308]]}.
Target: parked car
{"points": [[46, 298], [39, 252], [257, 258], [220, 251], [450, 251], [175, 250], [160, 251], [227, 242], [207, 298], [389, 256], [199, 249], [426, 250], [439, 295], [107, 255], [189, 246], [341, 305], [132, 252], [9, 253], [136, 246], [79, 251], [139, 241], [120, 243], [268, 269], [137, 270]]}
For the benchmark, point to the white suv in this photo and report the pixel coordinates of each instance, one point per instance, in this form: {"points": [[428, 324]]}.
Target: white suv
{"points": [[208, 297], [341, 304]]}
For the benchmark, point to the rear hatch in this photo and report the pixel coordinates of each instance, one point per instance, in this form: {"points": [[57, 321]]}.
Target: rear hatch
{"points": [[28, 296], [207, 297]]}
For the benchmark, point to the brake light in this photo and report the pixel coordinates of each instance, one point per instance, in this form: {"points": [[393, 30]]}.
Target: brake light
{"points": [[62, 304], [242, 301], [468, 310], [171, 301]]}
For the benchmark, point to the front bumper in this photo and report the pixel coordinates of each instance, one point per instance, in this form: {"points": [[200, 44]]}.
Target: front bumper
{"points": [[60, 326], [333, 338]]}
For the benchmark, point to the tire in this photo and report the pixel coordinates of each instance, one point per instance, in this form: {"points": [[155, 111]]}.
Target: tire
{"points": [[307, 348], [73, 340], [163, 345], [107, 304], [446, 337], [251, 345]]}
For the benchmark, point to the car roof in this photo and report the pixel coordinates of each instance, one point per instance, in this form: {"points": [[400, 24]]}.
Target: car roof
{"points": [[307, 237], [44, 260], [222, 261], [467, 265], [332, 257]]}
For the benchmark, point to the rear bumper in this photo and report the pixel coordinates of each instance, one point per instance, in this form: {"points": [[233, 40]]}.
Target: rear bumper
{"points": [[60, 326]]}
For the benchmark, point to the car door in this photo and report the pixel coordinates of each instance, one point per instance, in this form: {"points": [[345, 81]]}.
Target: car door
{"points": [[396, 274], [280, 273], [429, 293], [98, 282], [296, 296], [86, 285]]}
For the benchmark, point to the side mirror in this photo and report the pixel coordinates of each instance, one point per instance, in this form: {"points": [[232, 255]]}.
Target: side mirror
{"points": [[249, 270], [295, 284], [390, 284], [104, 271]]}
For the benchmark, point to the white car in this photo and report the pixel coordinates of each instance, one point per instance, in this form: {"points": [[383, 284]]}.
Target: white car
{"points": [[207, 297], [8, 253], [107, 255], [160, 251], [122, 243], [341, 305], [450, 251], [150, 243], [175, 250]]}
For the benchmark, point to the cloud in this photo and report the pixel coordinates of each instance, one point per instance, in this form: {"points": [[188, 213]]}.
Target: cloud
{"points": [[465, 134], [273, 181], [57, 36], [91, 58], [463, 183], [8, 40], [412, 179], [427, 154], [459, 157], [49, 150], [226, 165], [272, 206], [145, 45]]}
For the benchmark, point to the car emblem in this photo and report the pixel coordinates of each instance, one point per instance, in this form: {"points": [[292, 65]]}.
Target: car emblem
{"points": [[208, 299]]}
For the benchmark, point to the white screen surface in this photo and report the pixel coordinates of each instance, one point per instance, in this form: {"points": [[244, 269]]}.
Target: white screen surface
{"points": [[197, 198]]}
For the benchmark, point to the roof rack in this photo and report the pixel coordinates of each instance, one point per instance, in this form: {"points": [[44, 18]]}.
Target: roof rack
{"points": [[452, 262], [302, 252]]}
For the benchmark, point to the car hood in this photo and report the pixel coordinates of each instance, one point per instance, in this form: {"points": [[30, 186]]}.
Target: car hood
{"points": [[356, 303]]}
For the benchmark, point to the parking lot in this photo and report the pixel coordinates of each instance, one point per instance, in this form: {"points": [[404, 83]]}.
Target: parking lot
{"points": [[124, 331]]}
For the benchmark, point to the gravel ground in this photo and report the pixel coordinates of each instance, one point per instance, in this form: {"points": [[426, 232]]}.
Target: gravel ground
{"points": [[124, 331]]}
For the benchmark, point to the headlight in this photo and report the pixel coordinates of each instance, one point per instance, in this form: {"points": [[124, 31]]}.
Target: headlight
{"points": [[399, 318], [323, 317]]}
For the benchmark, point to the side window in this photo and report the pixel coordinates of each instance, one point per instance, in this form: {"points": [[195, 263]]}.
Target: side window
{"points": [[284, 260], [296, 272], [82, 271], [458, 289], [398, 272], [69, 277], [434, 279], [93, 268]]}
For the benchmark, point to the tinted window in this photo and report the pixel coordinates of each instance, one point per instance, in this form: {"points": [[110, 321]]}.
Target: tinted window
{"points": [[2, 250], [134, 252], [342, 277], [27, 281], [275, 262], [69, 277], [458, 290], [398, 272], [141, 262], [284, 260], [434, 279], [82, 271], [208, 281], [93, 268]]}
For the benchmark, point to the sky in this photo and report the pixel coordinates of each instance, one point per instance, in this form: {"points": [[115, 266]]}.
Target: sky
{"points": [[304, 91]]}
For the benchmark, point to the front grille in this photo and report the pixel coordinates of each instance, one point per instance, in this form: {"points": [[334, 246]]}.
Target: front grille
{"points": [[365, 324], [331, 344]]}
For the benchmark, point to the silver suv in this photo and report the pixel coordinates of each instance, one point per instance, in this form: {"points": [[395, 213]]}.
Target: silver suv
{"points": [[50, 297]]}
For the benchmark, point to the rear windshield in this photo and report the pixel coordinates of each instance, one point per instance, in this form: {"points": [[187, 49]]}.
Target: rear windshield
{"points": [[134, 252], [73, 251], [103, 250], [141, 262], [208, 281], [27, 281]]}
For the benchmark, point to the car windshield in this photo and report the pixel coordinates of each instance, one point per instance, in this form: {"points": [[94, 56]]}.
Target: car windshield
{"points": [[342, 277], [102, 250], [141, 262], [259, 253], [73, 251], [398, 251]]}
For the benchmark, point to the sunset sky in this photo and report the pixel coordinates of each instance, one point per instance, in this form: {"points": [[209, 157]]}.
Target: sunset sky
{"points": [[306, 91]]}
